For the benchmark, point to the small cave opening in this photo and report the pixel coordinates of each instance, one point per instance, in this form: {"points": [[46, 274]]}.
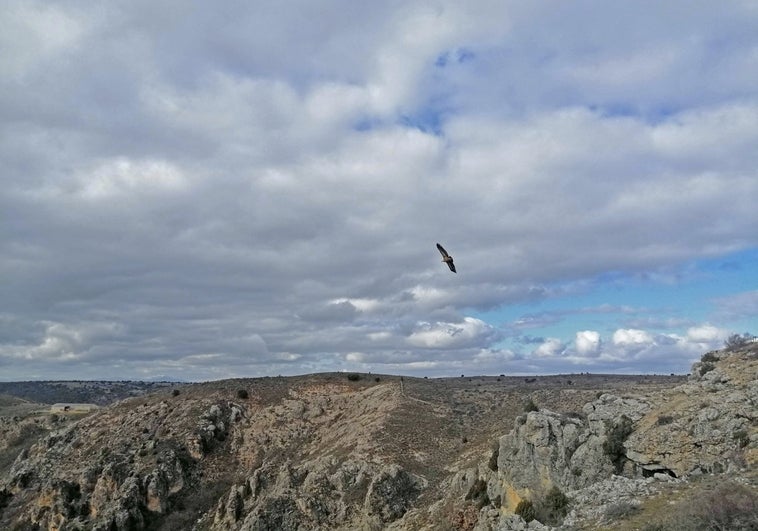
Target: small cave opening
{"points": [[650, 472]]}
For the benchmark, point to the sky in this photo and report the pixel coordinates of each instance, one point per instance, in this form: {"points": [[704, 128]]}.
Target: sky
{"points": [[239, 189]]}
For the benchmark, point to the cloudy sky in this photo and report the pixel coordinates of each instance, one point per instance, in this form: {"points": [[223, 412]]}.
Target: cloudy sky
{"points": [[256, 188]]}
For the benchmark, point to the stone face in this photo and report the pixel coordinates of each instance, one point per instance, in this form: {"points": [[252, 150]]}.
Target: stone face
{"points": [[547, 448], [706, 425]]}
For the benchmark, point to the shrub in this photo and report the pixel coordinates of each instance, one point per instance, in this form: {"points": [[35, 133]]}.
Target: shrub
{"points": [[525, 509], [736, 340], [620, 510], [613, 446], [175, 392], [242, 394], [709, 357], [705, 367], [552, 508], [377, 379], [742, 438], [529, 405], [353, 377], [478, 493], [729, 506], [492, 463], [664, 419]]}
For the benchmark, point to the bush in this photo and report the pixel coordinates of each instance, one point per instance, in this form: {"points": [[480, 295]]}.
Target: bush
{"points": [[735, 340], [705, 367], [242, 394], [664, 419], [552, 509], [742, 438], [709, 357], [492, 463], [730, 506], [613, 446], [175, 392], [529, 405], [478, 493], [620, 510], [525, 509], [353, 377]]}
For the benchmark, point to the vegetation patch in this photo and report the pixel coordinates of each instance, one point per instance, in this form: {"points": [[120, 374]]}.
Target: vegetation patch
{"points": [[620, 511], [552, 508], [525, 509], [529, 405], [706, 367], [728, 506], [242, 394], [613, 446], [492, 463], [478, 493], [709, 357]]}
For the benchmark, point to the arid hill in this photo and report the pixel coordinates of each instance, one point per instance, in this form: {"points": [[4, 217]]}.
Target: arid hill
{"points": [[349, 451]]}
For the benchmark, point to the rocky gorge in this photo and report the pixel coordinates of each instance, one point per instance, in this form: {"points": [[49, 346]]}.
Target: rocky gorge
{"points": [[337, 451]]}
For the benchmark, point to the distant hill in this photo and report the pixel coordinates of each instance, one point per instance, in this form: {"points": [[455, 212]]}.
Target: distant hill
{"points": [[95, 392]]}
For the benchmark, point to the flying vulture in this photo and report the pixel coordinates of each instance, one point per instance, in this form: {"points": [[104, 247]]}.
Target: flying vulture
{"points": [[446, 258]]}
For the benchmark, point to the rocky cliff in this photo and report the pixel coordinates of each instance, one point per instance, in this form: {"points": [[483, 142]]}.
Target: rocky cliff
{"points": [[328, 452], [625, 448]]}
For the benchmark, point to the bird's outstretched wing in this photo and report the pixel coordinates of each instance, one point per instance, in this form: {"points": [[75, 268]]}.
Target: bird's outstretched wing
{"points": [[446, 258]]}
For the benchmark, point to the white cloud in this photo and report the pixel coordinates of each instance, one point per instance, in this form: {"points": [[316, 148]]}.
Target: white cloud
{"points": [[707, 333], [125, 177], [631, 336], [550, 348], [469, 332], [587, 343]]}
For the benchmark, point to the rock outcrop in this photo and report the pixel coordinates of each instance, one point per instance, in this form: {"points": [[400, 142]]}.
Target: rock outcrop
{"points": [[621, 448]]}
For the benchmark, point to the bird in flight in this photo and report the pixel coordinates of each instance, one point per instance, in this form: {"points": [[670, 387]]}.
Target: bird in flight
{"points": [[446, 258]]}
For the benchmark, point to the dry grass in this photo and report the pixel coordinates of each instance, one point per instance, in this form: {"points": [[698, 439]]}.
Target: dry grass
{"points": [[712, 503]]}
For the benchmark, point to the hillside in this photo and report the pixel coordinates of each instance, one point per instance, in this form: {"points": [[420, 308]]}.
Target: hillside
{"points": [[382, 452]]}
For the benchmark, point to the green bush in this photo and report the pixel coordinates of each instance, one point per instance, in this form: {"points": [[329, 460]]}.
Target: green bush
{"points": [[613, 446], [478, 493], [664, 419], [529, 405], [742, 438], [242, 394], [709, 357], [705, 367], [525, 509], [492, 463], [353, 377], [552, 508]]}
